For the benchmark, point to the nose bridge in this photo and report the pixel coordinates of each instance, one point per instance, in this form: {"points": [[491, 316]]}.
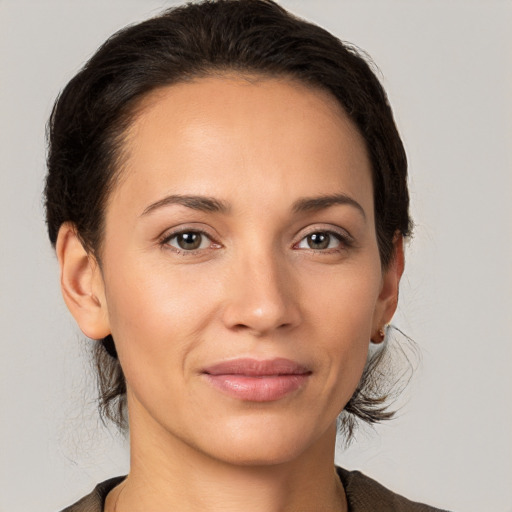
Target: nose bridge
{"points": [[261, 296]]}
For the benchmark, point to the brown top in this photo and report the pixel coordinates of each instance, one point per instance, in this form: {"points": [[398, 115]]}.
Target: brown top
{"points": [[363, 495]]}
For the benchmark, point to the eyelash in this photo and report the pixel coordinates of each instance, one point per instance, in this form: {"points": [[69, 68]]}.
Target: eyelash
{"points": [[164, 241], [345, 241]]}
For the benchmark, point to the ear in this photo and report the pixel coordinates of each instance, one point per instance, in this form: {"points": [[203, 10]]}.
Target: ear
{"points": [[388, 297], [82, 284]]}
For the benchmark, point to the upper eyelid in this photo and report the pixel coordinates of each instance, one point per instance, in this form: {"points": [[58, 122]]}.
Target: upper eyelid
{"points": [[335, 230], [172, 235], [173, 232]]}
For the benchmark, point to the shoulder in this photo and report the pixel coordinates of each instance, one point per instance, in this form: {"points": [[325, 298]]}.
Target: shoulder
{"points": [[95, 501], [364, 494]]}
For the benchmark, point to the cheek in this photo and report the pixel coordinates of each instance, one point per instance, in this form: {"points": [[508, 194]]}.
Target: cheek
{"points": [[156, 314], [342, 319], [344, 301], [157, 320]]}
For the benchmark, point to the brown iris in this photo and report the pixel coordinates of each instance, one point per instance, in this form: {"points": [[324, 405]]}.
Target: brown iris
{"points": [[319, 240], [189, 241]]}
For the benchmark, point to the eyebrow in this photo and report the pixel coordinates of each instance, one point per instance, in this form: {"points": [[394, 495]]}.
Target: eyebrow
{"points": [[201, 203], [322, 202], [211, 204]]}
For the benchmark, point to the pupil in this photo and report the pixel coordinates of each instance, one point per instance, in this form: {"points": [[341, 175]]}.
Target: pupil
{"points": [[189, 240], [318, 241]]}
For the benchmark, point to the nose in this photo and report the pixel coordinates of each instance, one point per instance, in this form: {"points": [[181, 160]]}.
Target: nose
{"points": [[262, 296]]}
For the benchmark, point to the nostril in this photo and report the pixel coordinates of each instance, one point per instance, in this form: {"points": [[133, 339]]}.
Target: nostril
{"points": [[259, 329], [240, 327]]}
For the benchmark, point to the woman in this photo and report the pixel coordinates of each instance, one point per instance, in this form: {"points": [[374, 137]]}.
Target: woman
{"points": [[227, 198]]}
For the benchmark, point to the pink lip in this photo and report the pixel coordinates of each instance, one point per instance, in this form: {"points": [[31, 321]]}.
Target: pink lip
{"points": [[257, 381]]}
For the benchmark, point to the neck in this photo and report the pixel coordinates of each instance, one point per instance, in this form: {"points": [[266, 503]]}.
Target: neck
{"points": [[171, 475]]}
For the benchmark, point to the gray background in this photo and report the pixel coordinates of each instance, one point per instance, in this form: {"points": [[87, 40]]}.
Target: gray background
{"points": [[447, 67]]}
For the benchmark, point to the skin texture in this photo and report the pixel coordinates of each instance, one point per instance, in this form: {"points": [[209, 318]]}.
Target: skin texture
{"points": [[254, 288]]}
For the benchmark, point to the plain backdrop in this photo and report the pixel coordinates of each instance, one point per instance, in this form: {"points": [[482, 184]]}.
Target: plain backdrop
{"points": [[447, 67]]}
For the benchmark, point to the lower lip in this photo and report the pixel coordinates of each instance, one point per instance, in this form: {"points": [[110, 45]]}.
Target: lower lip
{"points": [[265, 388]]}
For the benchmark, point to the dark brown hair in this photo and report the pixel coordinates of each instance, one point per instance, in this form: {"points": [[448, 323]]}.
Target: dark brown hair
{"points": [[91, 115]]}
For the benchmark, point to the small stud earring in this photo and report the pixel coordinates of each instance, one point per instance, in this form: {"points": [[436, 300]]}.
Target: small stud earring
{"points": [[381, 334]]}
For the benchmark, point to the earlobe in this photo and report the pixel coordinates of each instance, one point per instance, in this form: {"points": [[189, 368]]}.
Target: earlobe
{"points": [[82, 284], [388, 296]]}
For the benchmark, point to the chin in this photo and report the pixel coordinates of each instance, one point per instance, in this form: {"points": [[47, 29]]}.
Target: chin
{"points": [[266, 444], [262, 454]]}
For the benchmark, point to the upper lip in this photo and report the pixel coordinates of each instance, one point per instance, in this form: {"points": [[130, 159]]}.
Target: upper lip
{"points": [[257, 368]]}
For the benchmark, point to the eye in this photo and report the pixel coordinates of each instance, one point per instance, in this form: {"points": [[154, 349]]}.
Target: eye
{"points": [[188, 241], [321, 240]]}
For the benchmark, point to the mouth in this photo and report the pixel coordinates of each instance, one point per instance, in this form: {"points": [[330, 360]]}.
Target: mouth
{"points": [[255, 380]]}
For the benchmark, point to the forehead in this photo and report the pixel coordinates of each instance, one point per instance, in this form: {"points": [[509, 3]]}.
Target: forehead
{"points": [[233, 134]]}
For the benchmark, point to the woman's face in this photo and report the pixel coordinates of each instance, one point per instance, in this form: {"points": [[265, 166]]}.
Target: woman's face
{"points": [[242, 279]]}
